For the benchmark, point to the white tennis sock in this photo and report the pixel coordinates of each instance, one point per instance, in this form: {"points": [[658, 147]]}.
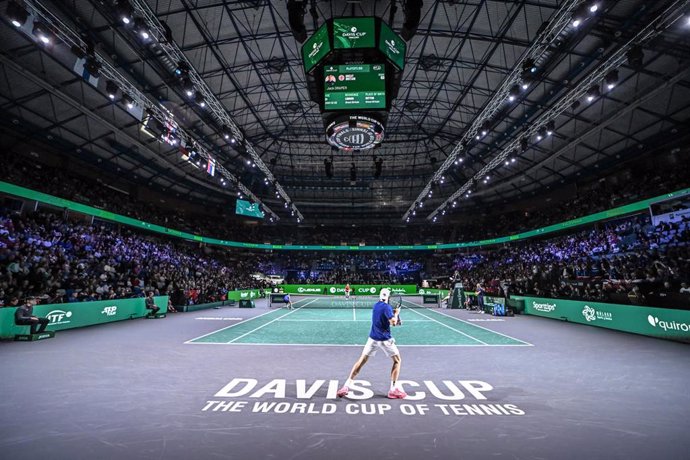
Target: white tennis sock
{"points": [[348, 382], [393, 386]]}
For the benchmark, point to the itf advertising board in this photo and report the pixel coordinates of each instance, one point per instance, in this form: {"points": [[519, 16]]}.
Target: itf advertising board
{"points": [[655, 322], [78, 314]]}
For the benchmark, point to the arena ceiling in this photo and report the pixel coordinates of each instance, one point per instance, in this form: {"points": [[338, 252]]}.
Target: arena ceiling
{"points": [[462, 67]]}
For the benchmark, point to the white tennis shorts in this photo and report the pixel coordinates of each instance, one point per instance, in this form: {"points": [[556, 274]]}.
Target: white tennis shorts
{"points": [[388, 347]]}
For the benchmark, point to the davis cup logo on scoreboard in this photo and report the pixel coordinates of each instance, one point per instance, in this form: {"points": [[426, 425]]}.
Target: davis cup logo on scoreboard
{"points": [[354, 132]]}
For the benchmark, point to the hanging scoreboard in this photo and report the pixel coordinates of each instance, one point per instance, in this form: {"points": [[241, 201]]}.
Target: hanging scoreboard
{"points": [[353, 67]]}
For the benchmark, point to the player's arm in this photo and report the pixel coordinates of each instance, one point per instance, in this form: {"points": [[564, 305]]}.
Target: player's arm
{"points": [[393, 320]]}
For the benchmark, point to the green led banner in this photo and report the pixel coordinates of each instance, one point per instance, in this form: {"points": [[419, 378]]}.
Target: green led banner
{"points": [[392, 46], [361, 86], [316, 48], [353, 33], [664, 323], [339, 289], [15, 190]]}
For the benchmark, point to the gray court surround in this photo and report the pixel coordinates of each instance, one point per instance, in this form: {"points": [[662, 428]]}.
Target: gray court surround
{"points": [[135, 390]]}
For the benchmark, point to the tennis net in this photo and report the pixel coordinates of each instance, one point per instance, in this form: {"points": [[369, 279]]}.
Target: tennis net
{"points": [[356, 302]]}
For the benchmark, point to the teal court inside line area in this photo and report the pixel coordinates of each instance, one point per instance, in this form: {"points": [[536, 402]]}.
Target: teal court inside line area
{"points": [[326, 322]]}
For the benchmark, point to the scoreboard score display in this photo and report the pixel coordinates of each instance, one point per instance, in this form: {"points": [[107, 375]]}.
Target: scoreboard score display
{"points": [[361, 86]]}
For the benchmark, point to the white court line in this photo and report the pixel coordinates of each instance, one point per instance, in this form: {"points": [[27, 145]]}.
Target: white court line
{"points": [[350, 345], [273, 320], [354, 315], [449, 327], [233, 325], [347, 320], [472, 324]]}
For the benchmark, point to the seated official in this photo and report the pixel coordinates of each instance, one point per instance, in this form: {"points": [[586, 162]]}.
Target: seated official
{"points": [[151, 304], [23, 316]]}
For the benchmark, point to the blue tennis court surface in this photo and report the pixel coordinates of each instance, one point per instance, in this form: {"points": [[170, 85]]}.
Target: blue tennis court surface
{"points": [[314, 321]]}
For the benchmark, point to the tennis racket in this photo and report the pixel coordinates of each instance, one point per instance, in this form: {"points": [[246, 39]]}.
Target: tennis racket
{"points": [[398, 306]]}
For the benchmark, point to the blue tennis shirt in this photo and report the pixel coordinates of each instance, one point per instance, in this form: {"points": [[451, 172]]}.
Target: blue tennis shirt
{"points": [[380, 324]]}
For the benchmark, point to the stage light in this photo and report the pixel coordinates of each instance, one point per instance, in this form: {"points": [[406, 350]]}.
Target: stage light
{"points": [[541, 133], [513, 93], [43, 33], [593, 7], [611, 79], [16, 14], [111, 89], [199, 99], [141, 28], [124, 11], [127, 101], [593, 93], [529, 66], [550, 128], [182, 69], [486, 126], [226, 132], [579, 16], [188, 87], [513, 160]]}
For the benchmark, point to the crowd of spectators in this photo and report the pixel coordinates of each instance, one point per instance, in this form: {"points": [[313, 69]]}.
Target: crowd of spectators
{"points": [[488, 223], [629, 261], [57, 260]]}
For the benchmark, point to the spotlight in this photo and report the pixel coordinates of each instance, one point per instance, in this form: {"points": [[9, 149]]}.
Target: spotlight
{"points": [[541, 133], [611, 79], [182, 69], [513, 160], [43, 33], [513, 93], [579, 16], [141, 28], [127, 101], [529, 66], [550, 128], [485, 127], [199, 99], [16, 14], [593, 7], [593, 93], [111, 89], [124, 11], [188, 87], [227, 134]]}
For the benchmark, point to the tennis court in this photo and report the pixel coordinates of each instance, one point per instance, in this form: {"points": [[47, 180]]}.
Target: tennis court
{"points": [[329, 321]]}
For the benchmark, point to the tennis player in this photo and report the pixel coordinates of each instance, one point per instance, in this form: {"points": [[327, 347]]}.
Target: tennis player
{"points": [[288, 302], [382, 318], [347, 291]]}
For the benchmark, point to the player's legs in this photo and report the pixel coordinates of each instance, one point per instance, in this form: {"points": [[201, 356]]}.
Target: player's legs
{"points": [[395, 392], [369, 350]]}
